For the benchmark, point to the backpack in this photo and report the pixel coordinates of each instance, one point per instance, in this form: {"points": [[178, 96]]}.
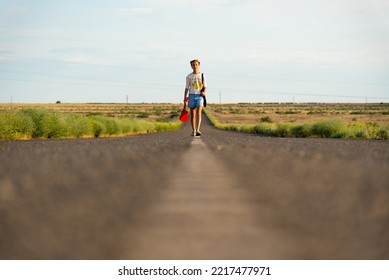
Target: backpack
{"points": [[202, 90]]}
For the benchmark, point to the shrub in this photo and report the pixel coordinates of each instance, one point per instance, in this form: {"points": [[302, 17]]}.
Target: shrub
{"points": [[110, 125], [97, 128], [263, 128], [301, 131], [372, 129], [77, 126], [131, 125], [232, 127], [283, 130], [53, 126], [38, 123], [174, 115], [266, 119], [143, 115], [383, 134], [47, 124], [327, 128], [360, 134], [36, 116], [125, 125], [15, 125], [165, 126]]}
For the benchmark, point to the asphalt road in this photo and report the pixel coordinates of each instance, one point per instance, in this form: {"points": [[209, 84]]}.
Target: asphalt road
{"points": [[170, 196]]}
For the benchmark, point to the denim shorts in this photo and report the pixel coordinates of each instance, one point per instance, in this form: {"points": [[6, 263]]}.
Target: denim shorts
{"points": [[195, 100]]}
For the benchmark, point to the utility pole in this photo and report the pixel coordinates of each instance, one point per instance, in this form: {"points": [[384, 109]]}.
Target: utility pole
{"points": [[127, 99]]}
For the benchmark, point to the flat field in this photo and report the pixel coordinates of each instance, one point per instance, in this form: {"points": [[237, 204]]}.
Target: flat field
{"points": [[240, 113], [149, 111], [338, 120], [305, 113], [27, 121], [363, 121]]}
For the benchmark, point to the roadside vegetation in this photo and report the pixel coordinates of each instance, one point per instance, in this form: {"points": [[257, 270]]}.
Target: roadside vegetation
{"points": [[61, 120], [349, 121], [45, 122]]}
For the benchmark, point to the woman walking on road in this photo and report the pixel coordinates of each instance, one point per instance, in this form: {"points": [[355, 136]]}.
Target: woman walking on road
{"points": [[196, 86]]}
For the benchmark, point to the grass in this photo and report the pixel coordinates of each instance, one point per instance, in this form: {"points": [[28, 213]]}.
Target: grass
{"points": [[304, 120], [45, 122], [359, 121]]}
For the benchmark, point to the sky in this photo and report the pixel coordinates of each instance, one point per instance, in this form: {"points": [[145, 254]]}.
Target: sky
{"points": [[250, 51]]}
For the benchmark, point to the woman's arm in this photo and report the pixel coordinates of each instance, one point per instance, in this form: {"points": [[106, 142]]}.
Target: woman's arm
{"points": [[186, 95]]}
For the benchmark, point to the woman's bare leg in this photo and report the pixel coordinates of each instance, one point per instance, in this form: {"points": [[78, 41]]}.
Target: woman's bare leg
{"points": [[198, 115], [193, 119]]}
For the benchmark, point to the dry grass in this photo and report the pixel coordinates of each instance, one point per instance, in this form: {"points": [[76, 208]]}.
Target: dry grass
{"points": [[250, 113], [151, 112], [364, 121], [26, 121]]}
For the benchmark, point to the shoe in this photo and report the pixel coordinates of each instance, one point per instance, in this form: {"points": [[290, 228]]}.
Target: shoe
{"points": [[194, 133], [198, 133]]}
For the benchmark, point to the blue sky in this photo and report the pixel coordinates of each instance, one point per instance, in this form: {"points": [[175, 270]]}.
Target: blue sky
{"points": [[250, 51]]}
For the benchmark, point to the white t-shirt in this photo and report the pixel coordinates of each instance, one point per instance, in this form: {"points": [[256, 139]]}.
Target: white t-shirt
{"points": [[194, 84]]}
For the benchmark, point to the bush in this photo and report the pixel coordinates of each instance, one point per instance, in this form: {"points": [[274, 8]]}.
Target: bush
{"points": [[37, 117], [47, 124], [112, 126], [266, 119], [53, 126], [38, 123], [104, 125], [327, 128], [15, 125], [283, 130], [334, 128], [383, 134], [97, 128], [77, 126], [263, 128], [301, 131], [233, 127], [174, 115], [374, 131], [125, 125], [143, 115]]}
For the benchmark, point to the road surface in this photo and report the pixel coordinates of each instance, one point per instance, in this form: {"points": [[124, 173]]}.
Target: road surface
{"points": [[168, 195]]}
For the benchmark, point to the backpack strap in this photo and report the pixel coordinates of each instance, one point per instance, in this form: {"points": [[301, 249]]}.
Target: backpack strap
{"points": [[202, 81], [202, 90]]}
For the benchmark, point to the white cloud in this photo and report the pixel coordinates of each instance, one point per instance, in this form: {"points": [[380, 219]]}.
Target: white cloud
{"points": [[132, 11], [6, 55], [247, 35], [342, 59], [17, 10], [83, 59], [186, 4]]}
